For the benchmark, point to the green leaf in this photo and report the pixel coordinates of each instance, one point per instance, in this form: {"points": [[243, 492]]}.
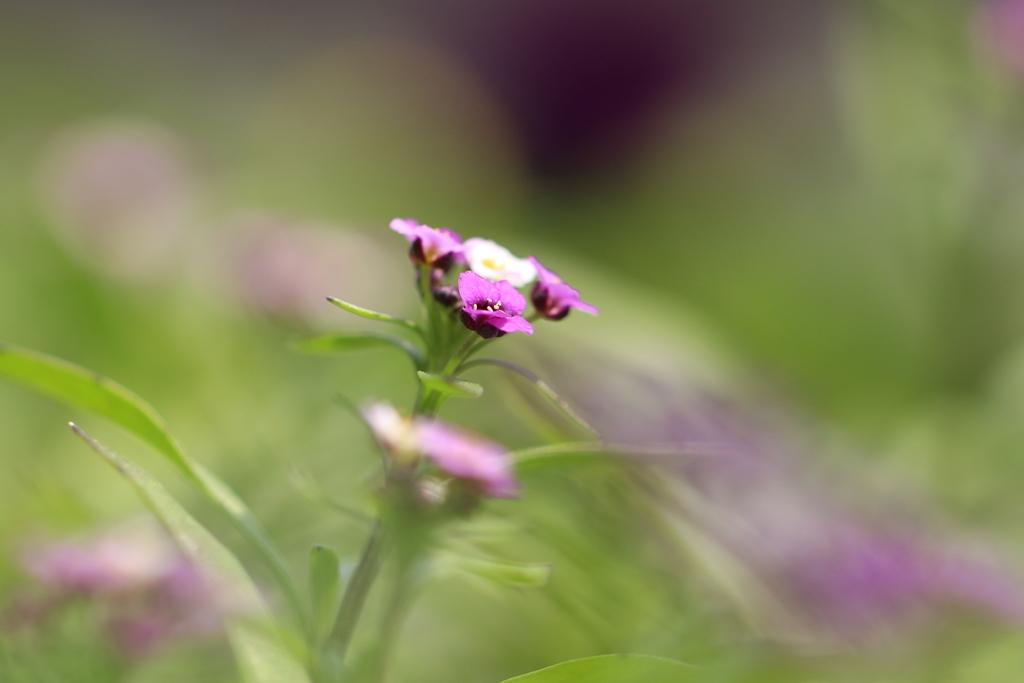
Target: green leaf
{"points": [[613, 669], [355, 341], [592, 452], [261, 655], [374, 315], [449, 386], [499, 572], [75, 386], [324, 587], [541, 386]]}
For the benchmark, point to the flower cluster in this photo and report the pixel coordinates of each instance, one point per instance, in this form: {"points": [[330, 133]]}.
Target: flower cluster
{"points": [[147, 593], [466, 457], [489, 280]]}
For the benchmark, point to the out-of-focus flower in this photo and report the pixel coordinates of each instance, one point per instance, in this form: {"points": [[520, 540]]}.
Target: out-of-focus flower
{"points": [[492, 309], [121, 196], [553, 298], [1000, 28], [828, 571], [146, 592], [393, 431], [284, 268], [434, 247], [495, 262], [468, 457], [462, 455]]}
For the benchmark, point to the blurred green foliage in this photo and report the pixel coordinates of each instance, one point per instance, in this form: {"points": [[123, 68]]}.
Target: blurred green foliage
{"points": [[848, 237]]}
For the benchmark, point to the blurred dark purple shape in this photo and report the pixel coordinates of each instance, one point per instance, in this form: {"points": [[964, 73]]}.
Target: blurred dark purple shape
{"points": [[583, 80]]}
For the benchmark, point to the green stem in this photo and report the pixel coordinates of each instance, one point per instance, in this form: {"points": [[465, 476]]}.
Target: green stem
{"points": [[356, 592], [394, 614]]}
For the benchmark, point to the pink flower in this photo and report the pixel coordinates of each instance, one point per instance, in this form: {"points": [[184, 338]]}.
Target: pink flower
{"points": [[458, 453], [492, 309], [553, 298], [434, 247], [469, 457], [1000, 26]]}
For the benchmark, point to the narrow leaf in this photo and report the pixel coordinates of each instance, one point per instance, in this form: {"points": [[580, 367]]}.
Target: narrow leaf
{"points": [[355, 341], [541, 386], [591, 452], [75, 386], [324, 587], [374, 315], [613, 669], [500, 572], [450, 386], [261, 655]]}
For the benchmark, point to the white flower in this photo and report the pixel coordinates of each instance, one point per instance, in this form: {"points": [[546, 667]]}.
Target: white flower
{"points": [[395, 432], [494, 262]]}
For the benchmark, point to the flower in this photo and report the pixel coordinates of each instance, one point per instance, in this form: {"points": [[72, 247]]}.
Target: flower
{"points": [[434, 247], [1000, 28], [552, 297], [146, 592], [492, 309], [462, 455], [121, 196], [393, 431], [468, 457], [495, 262]]}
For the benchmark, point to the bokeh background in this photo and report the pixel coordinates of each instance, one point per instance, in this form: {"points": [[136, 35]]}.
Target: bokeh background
{"points": [[803, 222]]}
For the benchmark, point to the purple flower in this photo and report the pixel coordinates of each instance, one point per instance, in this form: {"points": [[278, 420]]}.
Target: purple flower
{"points": [[492, 309], [145, 592], [434, 247], [553, 298], [468, 457], [1000, 28]]}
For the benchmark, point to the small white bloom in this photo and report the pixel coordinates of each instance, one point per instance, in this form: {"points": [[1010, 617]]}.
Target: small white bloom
{"points": [[395, 432], [495, 263]]}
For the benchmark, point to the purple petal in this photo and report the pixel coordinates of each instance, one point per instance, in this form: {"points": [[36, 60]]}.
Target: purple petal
{"points": [[545, 276], [512, 324], [405, 226], [511, 300], [474, 289]]}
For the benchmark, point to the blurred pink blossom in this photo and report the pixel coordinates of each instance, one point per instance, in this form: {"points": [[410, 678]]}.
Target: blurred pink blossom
{"points": [[120, 196], [145, 590], [1000, 28], [286, 268]]}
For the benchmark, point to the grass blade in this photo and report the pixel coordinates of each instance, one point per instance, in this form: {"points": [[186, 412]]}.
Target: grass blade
{"points": [[261, 656], [75, 386]]}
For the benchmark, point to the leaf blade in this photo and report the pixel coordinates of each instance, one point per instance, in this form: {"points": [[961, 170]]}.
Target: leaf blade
{"points": [[374, 315], [613, 669], [324, 587], [542, 386], [354, 341], [447, 387], [73, 385], [261, 656]]}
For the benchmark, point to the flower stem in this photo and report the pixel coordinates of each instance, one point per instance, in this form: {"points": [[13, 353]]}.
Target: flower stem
{"points": [[356, 592]]}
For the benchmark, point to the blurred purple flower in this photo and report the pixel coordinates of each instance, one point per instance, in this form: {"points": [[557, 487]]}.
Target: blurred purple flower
{"points": [[468, 457], [147, 593], [492, 309], [553, 298], [1000, 26], [284, 268], [434, 247], [837, 571], [121, 196], [458, 453]]}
